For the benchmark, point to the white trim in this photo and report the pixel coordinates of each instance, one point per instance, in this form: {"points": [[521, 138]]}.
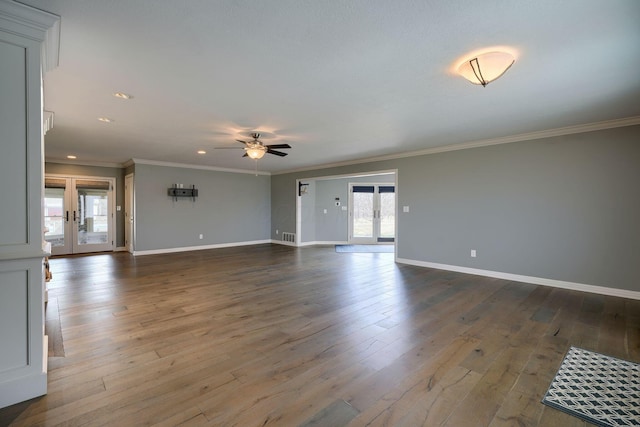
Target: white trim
{"points": [[202, 167], [282, 242], [602, 290], [50, 52], [324, 242], [568, 130], [83, 163], [120, 249], [201, 247]]}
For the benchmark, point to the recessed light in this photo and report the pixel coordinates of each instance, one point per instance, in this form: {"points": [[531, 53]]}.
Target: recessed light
{"points": [[123, 95], [202, 152], [71, 157], [106, 120]]}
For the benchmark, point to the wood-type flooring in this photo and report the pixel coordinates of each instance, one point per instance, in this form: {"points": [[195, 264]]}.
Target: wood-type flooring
{"points": [[272, 335]]}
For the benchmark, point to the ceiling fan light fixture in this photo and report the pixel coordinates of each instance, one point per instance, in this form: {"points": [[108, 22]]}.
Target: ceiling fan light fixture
{"points": [[486, 67], [256, 152]]}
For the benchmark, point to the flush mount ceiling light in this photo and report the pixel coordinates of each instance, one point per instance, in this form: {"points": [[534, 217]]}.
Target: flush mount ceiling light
{"points": [[106, 120], [123, 95], [483, 68], [202, 152], [71, 156]]}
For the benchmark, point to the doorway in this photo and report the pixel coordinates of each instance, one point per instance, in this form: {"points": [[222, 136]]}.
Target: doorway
{"points": [[78, 214], [372, 209]]}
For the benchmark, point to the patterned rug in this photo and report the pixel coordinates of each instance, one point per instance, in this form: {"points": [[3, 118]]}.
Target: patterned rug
{"points": [[599, 389]]}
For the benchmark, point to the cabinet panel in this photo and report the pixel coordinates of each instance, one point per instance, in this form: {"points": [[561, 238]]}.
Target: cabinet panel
{"points": [[13, 140], [14, 320]]}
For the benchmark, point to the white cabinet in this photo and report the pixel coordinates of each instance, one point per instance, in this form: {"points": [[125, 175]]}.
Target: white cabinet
{"points": [[26, 36]]}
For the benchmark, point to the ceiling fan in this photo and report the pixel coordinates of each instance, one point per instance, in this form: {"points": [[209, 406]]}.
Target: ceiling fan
{"points": [[256, 149]]}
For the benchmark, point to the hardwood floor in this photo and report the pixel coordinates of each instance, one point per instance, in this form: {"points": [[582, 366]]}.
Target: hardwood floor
{"points": [[274, 335]]}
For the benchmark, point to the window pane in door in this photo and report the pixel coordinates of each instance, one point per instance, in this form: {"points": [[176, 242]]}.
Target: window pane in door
{"points": [[92, 221], [54, 216], [387, 215], [362, 214]]}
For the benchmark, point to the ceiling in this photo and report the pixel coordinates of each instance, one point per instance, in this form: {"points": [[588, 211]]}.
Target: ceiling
{"points": [[337, 80]]}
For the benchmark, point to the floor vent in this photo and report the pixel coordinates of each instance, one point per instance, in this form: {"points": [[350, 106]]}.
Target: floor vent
{"points": [[288, 237]]}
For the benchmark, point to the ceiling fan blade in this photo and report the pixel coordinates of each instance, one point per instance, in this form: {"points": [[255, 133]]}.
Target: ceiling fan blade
{"points": [[278, 146], [277, 153], [241, 141], [245, 155], [227, 148]]}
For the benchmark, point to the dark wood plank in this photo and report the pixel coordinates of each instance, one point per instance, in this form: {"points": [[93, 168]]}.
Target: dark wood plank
{"points": [[294, 335]]}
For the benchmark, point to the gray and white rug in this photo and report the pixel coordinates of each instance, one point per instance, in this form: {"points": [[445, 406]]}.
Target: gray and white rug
{"points": [[599, 389]]}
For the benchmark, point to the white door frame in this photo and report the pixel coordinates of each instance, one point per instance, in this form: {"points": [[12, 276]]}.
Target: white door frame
{"points": [[129, 213]]}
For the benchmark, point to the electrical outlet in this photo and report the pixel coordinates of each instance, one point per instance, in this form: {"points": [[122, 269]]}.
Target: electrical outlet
{"points": [[201, 236], [277, 231], [405, 209], [473, 253]]}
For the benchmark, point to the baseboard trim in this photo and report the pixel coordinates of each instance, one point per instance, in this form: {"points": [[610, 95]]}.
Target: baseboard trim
{"points": [[602, 290], [120, 249], [325, 242], [282, 242], [199, 248]]}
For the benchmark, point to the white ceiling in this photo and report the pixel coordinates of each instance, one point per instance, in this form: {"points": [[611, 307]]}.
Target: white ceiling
{"points": [[337, 80]]}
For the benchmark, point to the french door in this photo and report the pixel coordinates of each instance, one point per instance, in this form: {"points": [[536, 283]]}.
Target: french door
{"points": [[78, 214], [372, 209]]}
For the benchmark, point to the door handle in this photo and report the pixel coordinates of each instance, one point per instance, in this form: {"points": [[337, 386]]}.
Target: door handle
{"points": [[74, 216], [67, 219]]}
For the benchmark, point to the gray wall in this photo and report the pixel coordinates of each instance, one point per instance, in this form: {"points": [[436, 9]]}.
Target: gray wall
{"points": [[230, 208], [117, 173], [563, 208]]}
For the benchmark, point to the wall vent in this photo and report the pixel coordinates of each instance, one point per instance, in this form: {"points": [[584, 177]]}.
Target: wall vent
{"points": [[288, 237]]}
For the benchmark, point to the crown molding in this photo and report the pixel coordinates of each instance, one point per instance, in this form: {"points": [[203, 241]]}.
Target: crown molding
{"points": [[84, 163], [530, 136], [190, 166], [35, 24]]}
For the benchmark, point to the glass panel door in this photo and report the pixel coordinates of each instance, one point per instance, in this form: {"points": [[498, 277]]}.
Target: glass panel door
{"points": [[372, 211], [91, 217], [363, 216], [56, 219], [78, 214], [387, 216]]}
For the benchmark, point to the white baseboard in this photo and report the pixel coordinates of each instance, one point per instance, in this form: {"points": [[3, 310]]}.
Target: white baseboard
{"points": [[602, 290], [325, 242], [315, 242], [282, 242], [199, 248], [120, 249]]}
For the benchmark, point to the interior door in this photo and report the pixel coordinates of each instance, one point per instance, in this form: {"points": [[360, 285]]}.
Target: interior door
{"points": [[372, 212], [79, 214]]}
